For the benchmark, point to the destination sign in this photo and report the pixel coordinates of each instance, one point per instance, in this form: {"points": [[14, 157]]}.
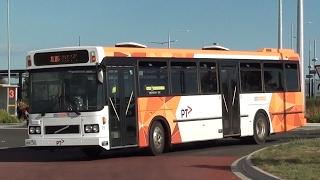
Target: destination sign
{"points": [[62, 57]]}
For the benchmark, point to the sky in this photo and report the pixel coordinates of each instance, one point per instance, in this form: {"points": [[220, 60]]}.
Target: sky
{"points": [[236, 24]]}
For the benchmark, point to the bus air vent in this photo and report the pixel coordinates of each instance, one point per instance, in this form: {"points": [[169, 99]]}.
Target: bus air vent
{"points": [[215, 46], [130, 45]]}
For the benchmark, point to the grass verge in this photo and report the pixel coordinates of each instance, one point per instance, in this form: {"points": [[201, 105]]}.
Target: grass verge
{"points": [[298, 159], [7, 118]]}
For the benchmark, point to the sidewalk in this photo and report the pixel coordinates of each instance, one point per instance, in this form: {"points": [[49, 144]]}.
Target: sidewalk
{"points": [[13, 125], [309, 126]]}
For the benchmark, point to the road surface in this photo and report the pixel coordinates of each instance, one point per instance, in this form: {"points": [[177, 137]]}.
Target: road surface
{"points": [[201, 160]]}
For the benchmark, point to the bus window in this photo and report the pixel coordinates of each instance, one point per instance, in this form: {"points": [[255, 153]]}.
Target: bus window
{"points": [[208, 77], [153, 78], [292, 77], [273, 77], [250, 77], [184, 78]]}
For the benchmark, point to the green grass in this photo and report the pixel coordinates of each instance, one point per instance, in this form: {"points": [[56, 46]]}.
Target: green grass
{"points": [[6, 118], [313, 110], [299, 159]]}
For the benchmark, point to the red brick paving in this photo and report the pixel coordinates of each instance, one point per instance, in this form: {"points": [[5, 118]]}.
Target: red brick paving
{"points": [[124, 168]]}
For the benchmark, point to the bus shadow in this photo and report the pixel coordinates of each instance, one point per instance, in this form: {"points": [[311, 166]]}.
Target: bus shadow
{"points": [[24, 154]]}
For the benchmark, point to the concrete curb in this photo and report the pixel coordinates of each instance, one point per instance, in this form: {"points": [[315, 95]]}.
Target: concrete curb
{"points": [[13, 125], [244, 169], [312, 125]]}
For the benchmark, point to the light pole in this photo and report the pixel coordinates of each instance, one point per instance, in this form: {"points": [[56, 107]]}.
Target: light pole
{"points": [[162, 42], [280, 25], [292, 36], [300, 45], [314, 67], [309, 74], [8, 36], [169, 35]]}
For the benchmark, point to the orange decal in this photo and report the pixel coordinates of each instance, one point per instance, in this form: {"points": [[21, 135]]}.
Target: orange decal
{"points": [[288, 115], [151, 107]]}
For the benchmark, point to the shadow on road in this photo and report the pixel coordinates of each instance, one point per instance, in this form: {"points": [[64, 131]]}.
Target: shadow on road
{"points": [[24, 154]]}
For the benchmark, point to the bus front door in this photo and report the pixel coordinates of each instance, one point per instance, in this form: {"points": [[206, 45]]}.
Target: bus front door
{"points": [[229, 87], [121, 103]]}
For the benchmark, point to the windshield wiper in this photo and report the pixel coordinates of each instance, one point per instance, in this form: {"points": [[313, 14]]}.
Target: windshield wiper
{"points": [[73, 109]]}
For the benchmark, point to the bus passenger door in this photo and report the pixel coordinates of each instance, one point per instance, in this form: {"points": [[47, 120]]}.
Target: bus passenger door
{"points": [[121, 102], [229, 87]]}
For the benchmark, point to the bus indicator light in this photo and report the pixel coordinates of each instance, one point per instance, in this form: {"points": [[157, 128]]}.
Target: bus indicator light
{"points": [[28, 59], [93, 57], [104, 120]]}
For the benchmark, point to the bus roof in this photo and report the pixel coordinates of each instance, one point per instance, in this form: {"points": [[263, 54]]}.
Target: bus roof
{"points": [[95, 54], [266, 53]]}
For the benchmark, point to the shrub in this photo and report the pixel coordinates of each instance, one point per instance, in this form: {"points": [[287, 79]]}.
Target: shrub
{"points": [[7, 118], [313, 110]]}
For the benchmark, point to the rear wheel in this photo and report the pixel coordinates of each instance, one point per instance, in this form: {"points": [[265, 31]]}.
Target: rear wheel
{"points": [[260, 128], [156, 138]]}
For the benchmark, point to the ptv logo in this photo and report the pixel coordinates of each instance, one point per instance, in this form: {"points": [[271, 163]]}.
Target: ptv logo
{"points": [[185, 112]]}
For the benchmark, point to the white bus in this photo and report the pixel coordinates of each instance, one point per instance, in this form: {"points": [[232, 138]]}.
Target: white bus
{"points": [[131, 96]]}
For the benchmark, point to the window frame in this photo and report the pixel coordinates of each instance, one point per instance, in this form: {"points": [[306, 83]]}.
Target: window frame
{"points": [[250, 69], [277, 62], [215, 61], [298, 75], [162, 60], [183, 60]]}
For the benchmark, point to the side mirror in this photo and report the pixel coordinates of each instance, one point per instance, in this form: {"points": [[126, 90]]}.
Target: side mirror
{"points": [[100, 75]]}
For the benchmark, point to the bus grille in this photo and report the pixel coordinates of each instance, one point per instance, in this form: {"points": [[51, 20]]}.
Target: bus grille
{"points": [[65, 129]]}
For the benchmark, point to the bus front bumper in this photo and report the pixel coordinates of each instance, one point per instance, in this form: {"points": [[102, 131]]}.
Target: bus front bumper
{"points": [[56, 142]]}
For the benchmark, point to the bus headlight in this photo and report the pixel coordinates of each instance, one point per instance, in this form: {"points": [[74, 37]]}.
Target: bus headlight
{"points": [[38, 130], [91, 128], [95, 128], [88, 128], [34, 130]]}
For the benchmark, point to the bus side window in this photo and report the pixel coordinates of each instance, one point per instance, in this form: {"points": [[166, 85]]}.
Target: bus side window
{"points": [[153, 78], [184, 78], [250, 74], [292, 77], [273, 77], [208, 77]]}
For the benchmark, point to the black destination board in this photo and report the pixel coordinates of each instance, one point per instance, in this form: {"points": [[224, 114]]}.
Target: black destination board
{"points": [[61, 57]]}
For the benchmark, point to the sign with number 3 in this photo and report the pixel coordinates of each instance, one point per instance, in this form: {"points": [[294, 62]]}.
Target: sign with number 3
{"points": [[12, 93]]}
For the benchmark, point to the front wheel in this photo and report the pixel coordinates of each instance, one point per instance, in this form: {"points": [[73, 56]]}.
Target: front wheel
{"points": [[156, 138], [260, 128]]}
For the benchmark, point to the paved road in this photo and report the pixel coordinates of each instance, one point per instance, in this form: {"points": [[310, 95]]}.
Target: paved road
{"points": [[12, 137], [202, 160]]}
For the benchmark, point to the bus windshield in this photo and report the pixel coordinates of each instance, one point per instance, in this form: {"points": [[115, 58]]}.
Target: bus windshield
{"points": [[65, 90]]}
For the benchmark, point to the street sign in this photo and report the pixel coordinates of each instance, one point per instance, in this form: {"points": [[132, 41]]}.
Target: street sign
{"points": [[309, 76], [12, 93], [317, 88], [317, 67], [312, 71]]}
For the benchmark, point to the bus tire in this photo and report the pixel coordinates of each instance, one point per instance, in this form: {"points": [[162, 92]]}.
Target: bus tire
{"points": [[260, 128], [156, 138]]}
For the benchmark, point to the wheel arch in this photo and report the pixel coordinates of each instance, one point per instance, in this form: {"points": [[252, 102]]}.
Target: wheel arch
{"points": [[166, 128]]}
